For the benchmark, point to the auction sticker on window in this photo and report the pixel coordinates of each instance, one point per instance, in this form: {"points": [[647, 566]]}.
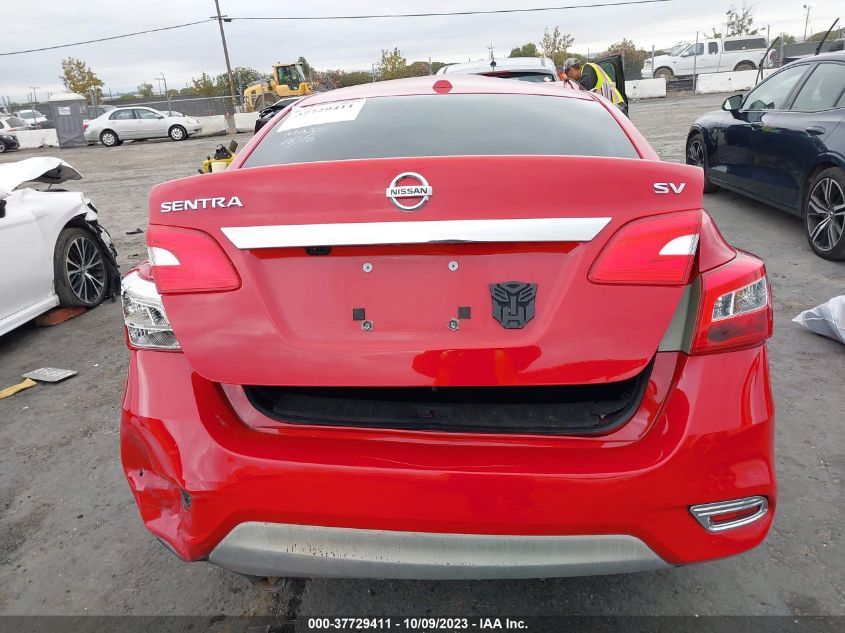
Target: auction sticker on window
{"points": [[335, 112]]}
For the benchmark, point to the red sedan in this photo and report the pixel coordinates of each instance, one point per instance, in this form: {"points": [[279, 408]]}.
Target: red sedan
{"points": [[463, 328]]}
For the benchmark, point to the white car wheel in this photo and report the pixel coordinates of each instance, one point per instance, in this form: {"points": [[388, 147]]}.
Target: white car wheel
{"points": [[177, 133], [109, 138]]}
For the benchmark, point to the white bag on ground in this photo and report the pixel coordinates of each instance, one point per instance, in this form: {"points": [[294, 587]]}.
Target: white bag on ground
{"points": [[828, 319]]}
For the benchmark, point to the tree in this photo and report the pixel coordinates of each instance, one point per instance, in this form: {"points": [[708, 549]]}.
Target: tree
{"points": [[835, 34], [435, 66], [79, 78], [526, 50], [417, 69], [392, 65], [555, 45], [306, 67], [331, 79], [632, 57], [204, 86], [145, 90], [242, 78], [739, 21]]}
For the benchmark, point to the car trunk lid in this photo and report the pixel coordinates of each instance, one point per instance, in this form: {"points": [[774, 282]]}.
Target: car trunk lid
{"points": [[484, 283]]}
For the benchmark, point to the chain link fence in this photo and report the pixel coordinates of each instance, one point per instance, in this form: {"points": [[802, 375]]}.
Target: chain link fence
{"points": [[189, 106]]}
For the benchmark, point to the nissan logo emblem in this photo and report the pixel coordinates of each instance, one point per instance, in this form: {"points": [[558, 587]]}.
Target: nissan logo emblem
{"points": [[419, 189]]}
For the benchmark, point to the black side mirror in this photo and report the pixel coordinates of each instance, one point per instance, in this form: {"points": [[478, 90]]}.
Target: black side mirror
{"points": [[732, 103]]}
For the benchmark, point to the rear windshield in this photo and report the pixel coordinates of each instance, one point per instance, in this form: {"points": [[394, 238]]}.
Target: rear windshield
{"points": [[536, 77], [744, 45], [443, 125]]}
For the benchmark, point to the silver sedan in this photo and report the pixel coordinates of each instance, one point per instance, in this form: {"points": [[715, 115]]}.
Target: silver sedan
{"points": [[138, 123]]}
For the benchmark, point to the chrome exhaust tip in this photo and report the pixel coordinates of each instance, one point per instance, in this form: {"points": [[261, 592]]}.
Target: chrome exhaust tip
{"points": [[727, 515]]}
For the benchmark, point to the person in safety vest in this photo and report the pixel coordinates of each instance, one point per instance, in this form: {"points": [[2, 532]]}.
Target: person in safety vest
{"points": [[593, 78]]}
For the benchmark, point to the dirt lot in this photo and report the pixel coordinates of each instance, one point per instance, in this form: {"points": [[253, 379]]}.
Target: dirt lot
{"points": [[71, 540]]}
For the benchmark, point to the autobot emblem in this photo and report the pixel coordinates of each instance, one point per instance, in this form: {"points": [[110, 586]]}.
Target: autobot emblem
{"points": [[513, 303]]}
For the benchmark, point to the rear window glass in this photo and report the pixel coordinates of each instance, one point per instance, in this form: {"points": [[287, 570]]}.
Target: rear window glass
{"points": [[438, 125], [744, 45], [526, 75]]}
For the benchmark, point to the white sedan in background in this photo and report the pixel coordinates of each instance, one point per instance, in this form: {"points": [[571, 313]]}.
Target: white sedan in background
{"points": [[52, 249], [138, 123]]}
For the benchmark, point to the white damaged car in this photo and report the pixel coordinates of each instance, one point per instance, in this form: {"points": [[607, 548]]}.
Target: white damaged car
{"points": [[53, 251]]}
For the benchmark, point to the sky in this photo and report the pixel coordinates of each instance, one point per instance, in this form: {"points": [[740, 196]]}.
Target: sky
{"points": [[346, 44]]}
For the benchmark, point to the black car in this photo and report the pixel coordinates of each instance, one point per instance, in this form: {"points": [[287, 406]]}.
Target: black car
{"points": [[783, 143], [266, 114], [8, 140]]}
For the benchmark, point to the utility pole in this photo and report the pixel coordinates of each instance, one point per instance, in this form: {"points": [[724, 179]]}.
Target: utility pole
{"points": [[806, 20], [228, 68]]}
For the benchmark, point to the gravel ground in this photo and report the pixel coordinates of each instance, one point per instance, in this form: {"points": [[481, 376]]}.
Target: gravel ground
{"points": [[71, 541]]}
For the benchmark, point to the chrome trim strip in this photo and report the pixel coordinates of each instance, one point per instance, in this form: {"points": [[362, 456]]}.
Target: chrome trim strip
{"points": [[704, 513], [275, 549], [416, 232]]}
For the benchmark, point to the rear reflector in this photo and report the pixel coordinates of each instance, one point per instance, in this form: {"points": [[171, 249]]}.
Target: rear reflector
{"points": [[187, 260], [658, 250], [727, 515], [736, 307]]}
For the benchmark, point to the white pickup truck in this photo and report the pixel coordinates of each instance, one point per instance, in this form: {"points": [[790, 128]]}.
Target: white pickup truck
{"points": [[743, 52]]}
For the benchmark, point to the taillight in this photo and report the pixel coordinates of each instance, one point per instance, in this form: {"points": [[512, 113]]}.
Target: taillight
{"points": [[736, 307], [658, 250], [147, 326], [187, 260], [84, 126]]}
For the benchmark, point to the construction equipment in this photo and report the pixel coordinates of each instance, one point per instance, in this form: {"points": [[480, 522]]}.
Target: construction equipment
{"points": [[222, 157], [288, 80]]}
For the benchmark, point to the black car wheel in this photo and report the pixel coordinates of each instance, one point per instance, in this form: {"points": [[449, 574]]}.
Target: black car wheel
{"points": [[80, 269], [3, 147], [697, 155], [109, 138], [745, 66], [824, 214]]}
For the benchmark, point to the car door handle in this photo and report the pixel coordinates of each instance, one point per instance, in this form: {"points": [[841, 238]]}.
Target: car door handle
{"points": [[816, 130]]}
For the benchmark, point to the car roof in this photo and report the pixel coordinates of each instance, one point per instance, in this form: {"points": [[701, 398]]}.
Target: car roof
{"points": [[512, 64], [460, 84]]}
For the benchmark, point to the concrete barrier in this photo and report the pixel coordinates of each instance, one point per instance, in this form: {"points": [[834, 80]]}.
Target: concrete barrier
{"points": [[737, 81], [245, 121], [30, 139], [645, 88], [214, 125]]}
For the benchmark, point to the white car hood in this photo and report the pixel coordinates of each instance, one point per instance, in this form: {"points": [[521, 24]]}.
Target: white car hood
{"points": [[42, 169]]}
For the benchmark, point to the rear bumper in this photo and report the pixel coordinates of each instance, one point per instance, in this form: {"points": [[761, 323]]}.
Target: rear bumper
{"points": [[263, 549], [361, 502]]}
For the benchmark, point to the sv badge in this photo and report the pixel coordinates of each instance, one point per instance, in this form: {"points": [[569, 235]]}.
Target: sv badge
{"points": [[667, 187], [513, 303]]}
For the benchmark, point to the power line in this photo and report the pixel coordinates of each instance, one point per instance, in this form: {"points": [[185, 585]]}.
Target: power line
{"points": [[106, 39], [617, 3], [452, 13]]}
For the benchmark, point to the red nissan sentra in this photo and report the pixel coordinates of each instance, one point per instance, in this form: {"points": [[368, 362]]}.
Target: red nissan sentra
{"points": [[462, 328]]}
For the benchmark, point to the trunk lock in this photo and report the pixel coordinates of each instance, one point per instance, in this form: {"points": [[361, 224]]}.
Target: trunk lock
{"points": [[367, 326], [453, 266], [367, 267]]}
